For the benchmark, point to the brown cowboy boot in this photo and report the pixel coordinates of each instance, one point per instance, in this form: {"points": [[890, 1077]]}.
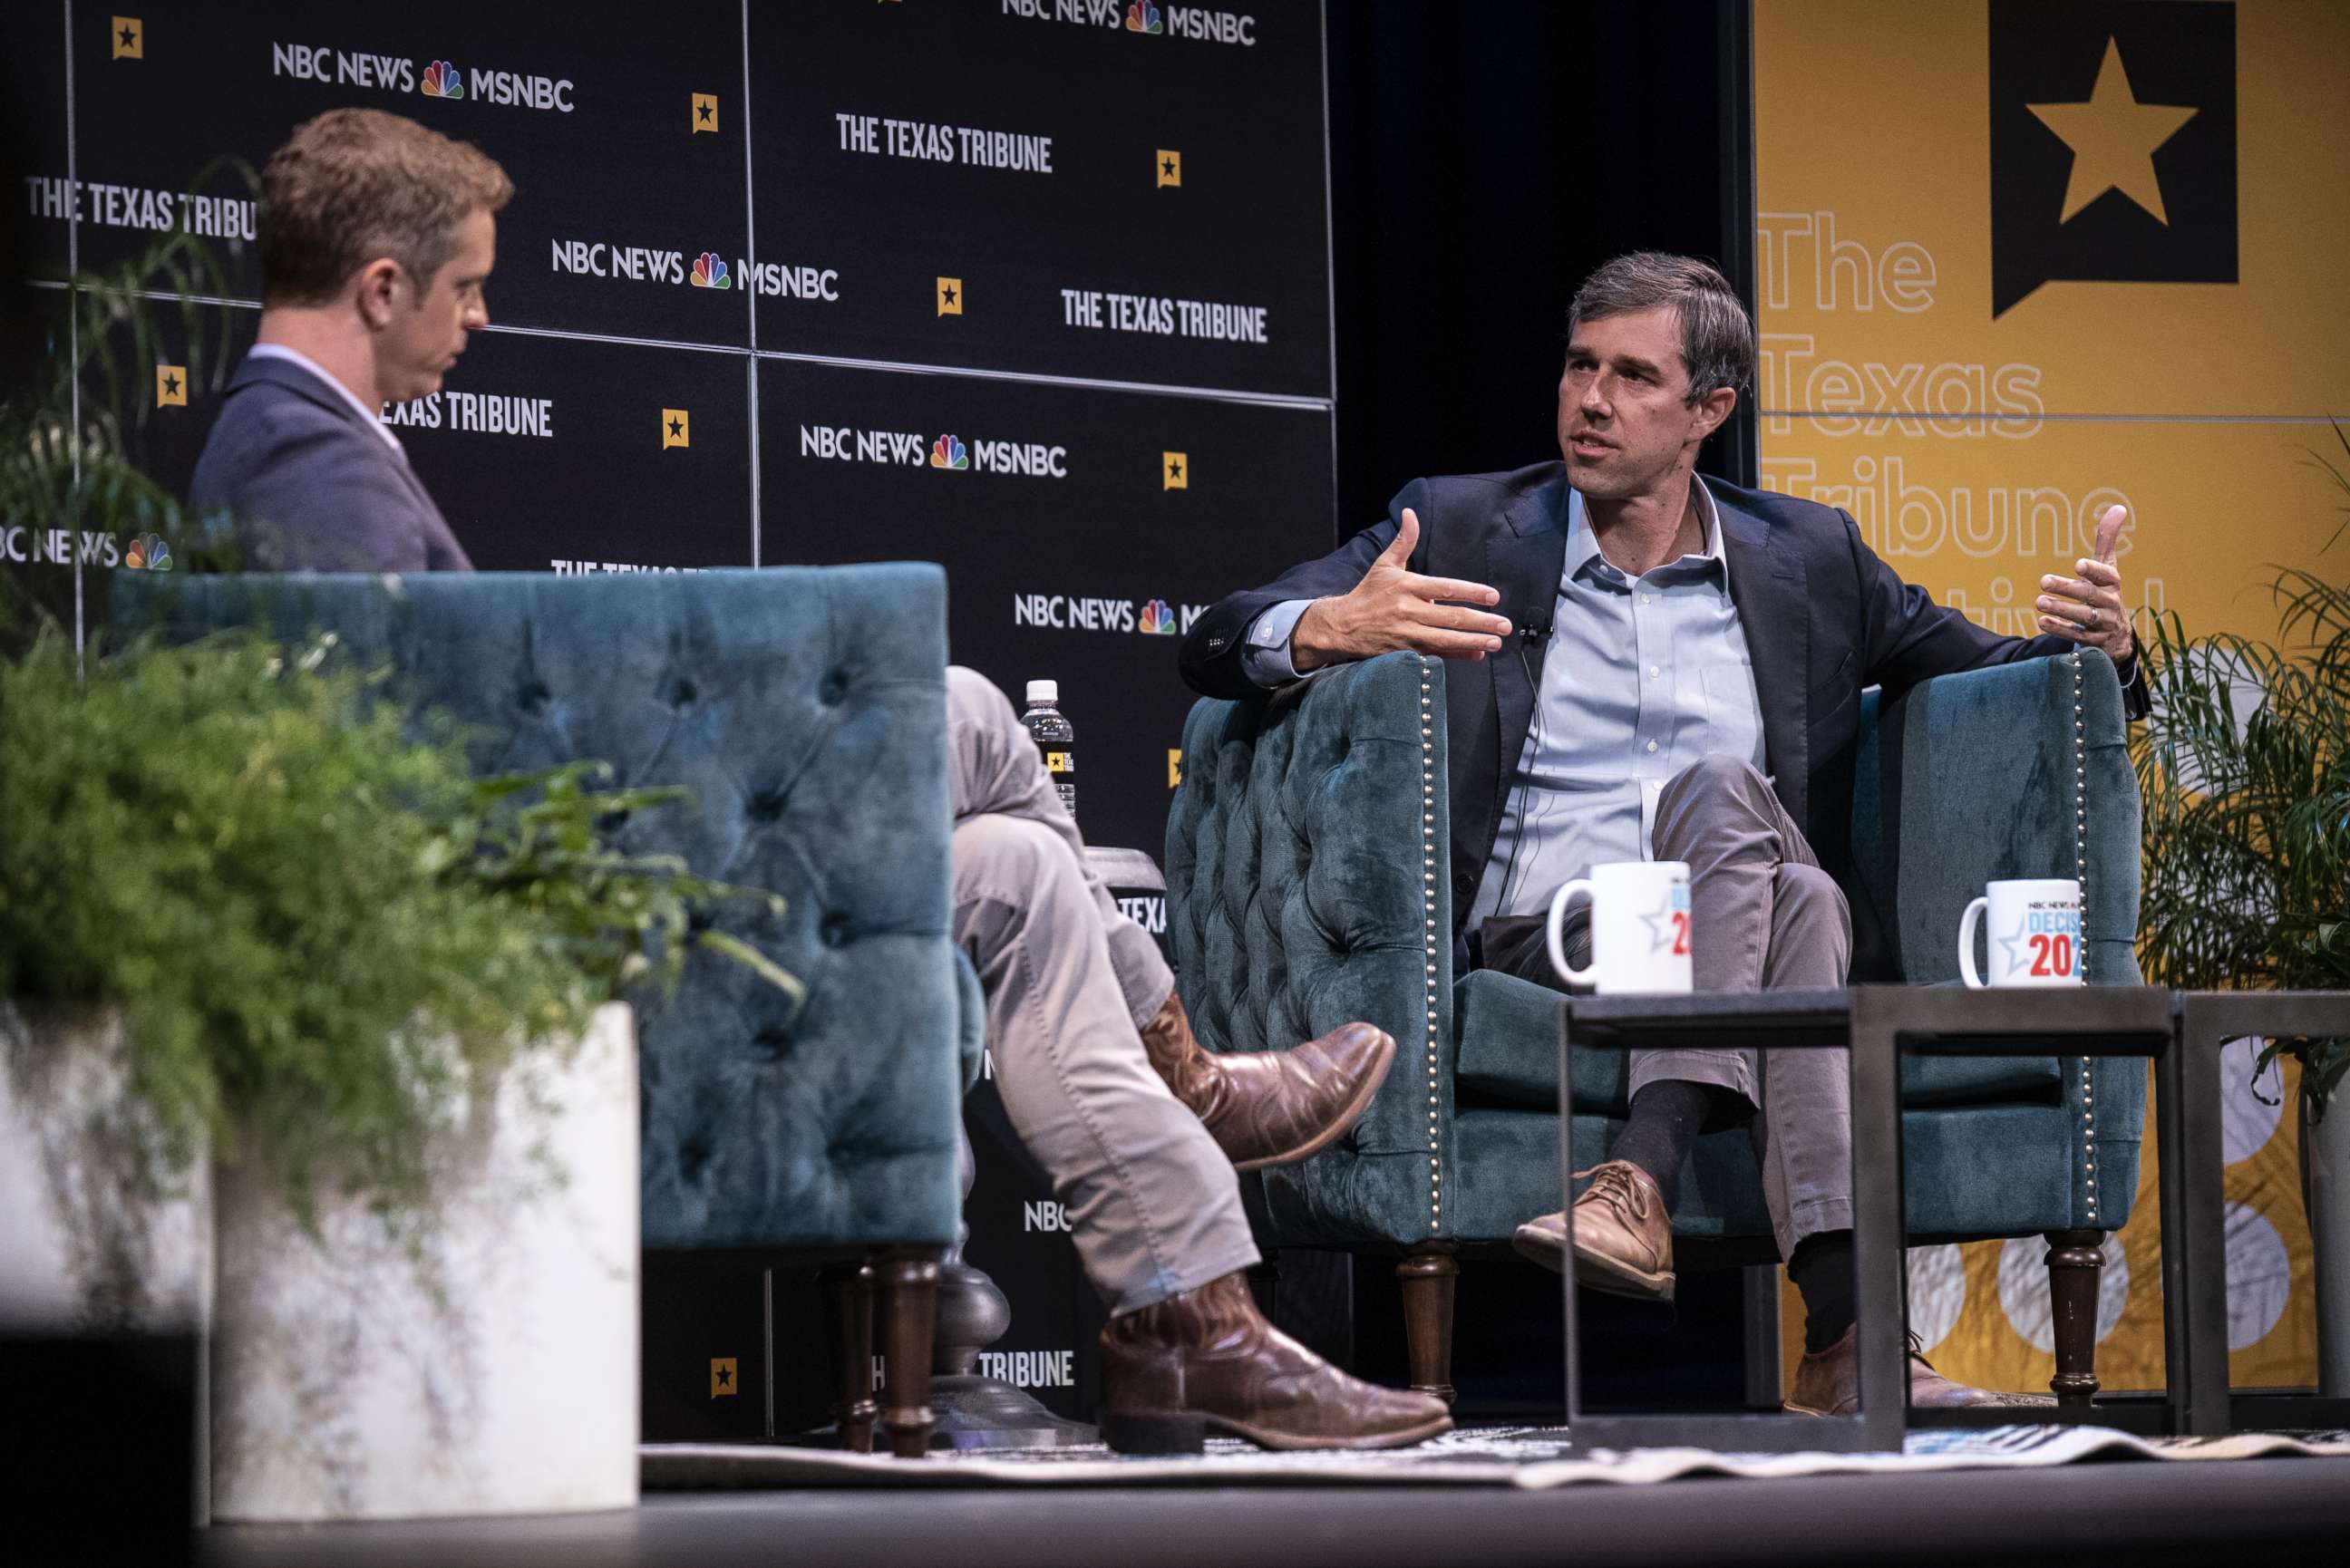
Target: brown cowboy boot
{"points": [[1270, 1107], [1623, 1237], [1827, 1383], [1207, 1358]]}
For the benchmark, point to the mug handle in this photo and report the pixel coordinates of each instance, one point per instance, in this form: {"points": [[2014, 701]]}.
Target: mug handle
{"points": [[1967, 943], [1553, 927]]}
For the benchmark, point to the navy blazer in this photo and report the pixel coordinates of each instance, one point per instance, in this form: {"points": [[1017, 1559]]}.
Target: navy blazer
{"points": [[1823, 618], [323, 491]]}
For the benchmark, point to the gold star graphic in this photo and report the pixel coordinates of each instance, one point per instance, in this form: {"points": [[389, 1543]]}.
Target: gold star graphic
{"points": [[2114, 138]]}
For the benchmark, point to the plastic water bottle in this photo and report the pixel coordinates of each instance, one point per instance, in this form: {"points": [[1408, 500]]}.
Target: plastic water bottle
{"points": [[1055, 738]]}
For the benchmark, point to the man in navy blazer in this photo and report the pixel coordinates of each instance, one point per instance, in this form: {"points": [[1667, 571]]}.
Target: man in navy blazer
{"points": [[376, 238], [1642, 664]]}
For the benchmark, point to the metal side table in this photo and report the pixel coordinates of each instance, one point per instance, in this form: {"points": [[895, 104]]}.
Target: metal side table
{"points": [[2207, 1020], [1876, 1023]]}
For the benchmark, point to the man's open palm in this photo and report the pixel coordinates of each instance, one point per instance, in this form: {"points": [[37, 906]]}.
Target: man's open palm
{"points": [[1396, 608]]}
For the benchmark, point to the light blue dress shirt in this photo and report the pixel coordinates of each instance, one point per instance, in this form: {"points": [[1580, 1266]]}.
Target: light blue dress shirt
{"points": [[1643, 676]]}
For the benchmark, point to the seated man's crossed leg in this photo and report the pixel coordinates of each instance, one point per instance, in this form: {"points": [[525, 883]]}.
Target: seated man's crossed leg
{"points": [[1139, 1127], [1763, 916]]}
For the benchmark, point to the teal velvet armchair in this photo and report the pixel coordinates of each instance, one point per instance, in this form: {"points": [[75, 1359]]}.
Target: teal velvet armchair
{"points": [[816, 758], [1305, 858]]}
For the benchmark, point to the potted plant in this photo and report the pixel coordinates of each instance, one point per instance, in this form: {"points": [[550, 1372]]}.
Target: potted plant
{"points": [[2244, 768], [290, 998], [384, 994]]}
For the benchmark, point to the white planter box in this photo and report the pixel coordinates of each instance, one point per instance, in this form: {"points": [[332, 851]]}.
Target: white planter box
{"points": [[89, 1241], [342, 1388]]}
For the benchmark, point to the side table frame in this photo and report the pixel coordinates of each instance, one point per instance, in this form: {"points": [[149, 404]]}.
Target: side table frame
{"points": [[1876, 1023], [2207, 1020]]}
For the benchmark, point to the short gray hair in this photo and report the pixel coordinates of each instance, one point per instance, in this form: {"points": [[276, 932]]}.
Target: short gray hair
{"points": [[1717, 335]]}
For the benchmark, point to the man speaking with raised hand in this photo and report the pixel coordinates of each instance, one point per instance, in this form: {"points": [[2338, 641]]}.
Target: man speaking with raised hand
{"points": [[1642, 664]]}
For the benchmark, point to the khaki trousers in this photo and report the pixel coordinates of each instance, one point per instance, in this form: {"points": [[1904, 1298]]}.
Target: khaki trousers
{"points": [[1154, 1205]]}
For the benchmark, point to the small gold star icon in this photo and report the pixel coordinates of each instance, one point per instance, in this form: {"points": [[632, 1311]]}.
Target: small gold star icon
{"points": [[170, 386], [129, 39], [1175, 471], [2114, 138], [705, 111], [724, 1384], [949, 297], [1170, 169], [676, 429]]}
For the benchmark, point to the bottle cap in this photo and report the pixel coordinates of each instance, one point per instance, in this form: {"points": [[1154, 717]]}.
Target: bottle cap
{"points": [[1043, 691]]}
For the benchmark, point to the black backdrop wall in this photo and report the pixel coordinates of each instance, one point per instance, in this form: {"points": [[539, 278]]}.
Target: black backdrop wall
{"points": [[1111, 306]]}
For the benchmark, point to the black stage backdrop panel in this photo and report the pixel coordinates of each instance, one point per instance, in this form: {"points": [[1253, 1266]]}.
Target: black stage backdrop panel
{"points": [[561, 454], [1098, 189], [1087, 530], [616, 195]]}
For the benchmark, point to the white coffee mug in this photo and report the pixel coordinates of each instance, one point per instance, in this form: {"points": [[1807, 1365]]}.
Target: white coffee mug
{"points": [[1639, 928], [2034, 933]]}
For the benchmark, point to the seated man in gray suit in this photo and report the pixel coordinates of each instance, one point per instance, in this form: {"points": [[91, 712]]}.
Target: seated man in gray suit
{"points": [[377, 237]]}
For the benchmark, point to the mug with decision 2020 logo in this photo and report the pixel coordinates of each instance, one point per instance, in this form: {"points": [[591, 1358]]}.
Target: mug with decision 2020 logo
{"points": [[1639, 928], [2032, 933]]}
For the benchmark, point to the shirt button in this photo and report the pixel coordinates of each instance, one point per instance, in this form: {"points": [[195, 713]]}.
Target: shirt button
{"points": [[1654, 672], [1646, 598], [1652, 745]]}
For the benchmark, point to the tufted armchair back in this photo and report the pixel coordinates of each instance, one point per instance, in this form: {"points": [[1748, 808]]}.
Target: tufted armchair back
{"points": [[805, 712], [1303, 853]]}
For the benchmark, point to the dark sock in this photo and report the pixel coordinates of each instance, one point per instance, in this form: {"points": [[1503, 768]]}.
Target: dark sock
{"points": [[1822, 1270], [1665, 1116]]}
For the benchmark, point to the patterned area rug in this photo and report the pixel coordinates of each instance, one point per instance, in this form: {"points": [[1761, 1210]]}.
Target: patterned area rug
{"points": [[1529, 1457]]}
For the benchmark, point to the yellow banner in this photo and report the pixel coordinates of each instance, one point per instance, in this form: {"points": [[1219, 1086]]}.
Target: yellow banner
{"points": [[2018, 262]]}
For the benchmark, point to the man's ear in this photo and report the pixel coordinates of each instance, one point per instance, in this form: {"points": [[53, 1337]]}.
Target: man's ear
{"points": [[1713, 409], [378, 288]]}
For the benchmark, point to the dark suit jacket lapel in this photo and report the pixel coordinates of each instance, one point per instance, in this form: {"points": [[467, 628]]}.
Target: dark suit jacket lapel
{"points": [[1524, 559], [1767, 583]]}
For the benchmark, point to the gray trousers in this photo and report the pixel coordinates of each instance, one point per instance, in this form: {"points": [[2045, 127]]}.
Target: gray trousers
{"points": [[1154, 1205], [1763, 916]]}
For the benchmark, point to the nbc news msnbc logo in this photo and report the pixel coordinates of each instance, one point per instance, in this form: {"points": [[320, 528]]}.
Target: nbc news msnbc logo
{"points": [[708, 269], [1197, 22], [435, 78], [1071, 612]]}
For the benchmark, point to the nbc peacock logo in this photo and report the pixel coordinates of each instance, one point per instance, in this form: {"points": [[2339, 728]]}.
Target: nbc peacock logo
{"points": [[1142, 17], [1157, 618], [710, 271], [440, 80], [947, 452], [149, 553]]}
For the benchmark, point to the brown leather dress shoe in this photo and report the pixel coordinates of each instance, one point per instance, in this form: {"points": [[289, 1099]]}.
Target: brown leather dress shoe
{"points": [[1271, 1107], [1207, 1358], [1623, 1237], [1827, 1383]]}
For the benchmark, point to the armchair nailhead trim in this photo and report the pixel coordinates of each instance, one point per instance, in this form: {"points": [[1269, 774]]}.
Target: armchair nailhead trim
{"points": [[1428, 929], [2081, 874]]}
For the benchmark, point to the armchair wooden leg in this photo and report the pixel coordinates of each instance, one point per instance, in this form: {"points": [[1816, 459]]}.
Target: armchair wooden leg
{"points": [[1428, 1272], [2075, 1265], [849, 1314], [907, 1281]]}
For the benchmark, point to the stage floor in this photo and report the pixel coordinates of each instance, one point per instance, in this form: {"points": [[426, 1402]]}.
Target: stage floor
{"points": [[2126, 1512]]}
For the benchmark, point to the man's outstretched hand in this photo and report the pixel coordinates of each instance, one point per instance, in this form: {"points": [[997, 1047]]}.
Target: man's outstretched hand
{"points": [[2088, 608], [1396, 608]]}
